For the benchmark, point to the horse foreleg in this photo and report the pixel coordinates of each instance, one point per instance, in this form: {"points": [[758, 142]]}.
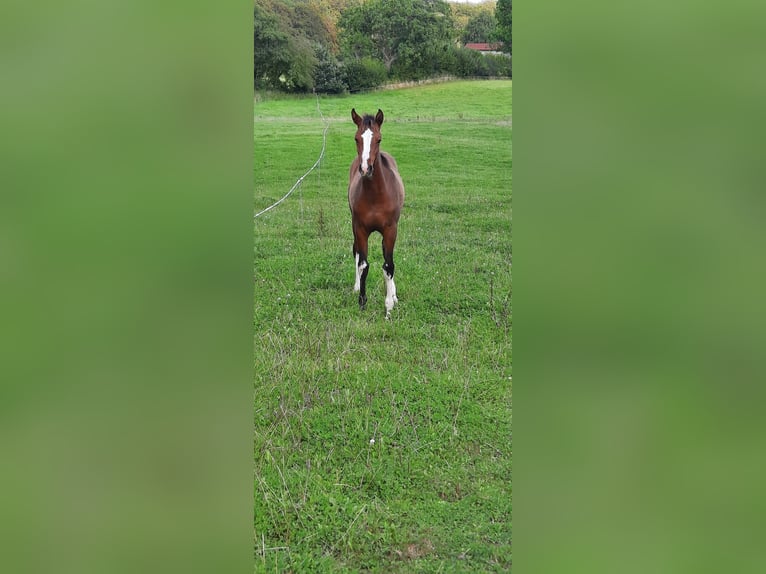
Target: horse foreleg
{"points": [[389, 239], [360, 265], [357, 275]]}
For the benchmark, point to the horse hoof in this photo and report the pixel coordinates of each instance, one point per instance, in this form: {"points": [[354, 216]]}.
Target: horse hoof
{"points": [[362, 302]]}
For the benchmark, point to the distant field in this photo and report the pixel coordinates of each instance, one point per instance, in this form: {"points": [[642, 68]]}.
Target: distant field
{"points": [[432, 386]]}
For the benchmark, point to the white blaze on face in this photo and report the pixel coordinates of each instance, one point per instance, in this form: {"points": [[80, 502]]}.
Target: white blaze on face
{"points": [[366, 144]]}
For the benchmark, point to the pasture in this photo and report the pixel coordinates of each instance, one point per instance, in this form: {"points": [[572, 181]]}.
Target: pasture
{"points": [[385, 446]]}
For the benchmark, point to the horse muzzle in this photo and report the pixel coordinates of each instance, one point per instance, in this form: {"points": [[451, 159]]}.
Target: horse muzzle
{"points": [[367, 174]]}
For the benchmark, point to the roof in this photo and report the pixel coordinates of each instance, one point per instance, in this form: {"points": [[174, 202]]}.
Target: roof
{"points": [[484, 46]]}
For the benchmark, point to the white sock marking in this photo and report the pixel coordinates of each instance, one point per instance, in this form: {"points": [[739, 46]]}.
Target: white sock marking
{"points": [[358, 280], [356, 270], [390, 293]]}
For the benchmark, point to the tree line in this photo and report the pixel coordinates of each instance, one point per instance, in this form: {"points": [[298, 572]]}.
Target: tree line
{"points": [[335, 46]]}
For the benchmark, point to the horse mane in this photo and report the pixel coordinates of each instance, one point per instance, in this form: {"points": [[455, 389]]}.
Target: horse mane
{"points": [[367, 121]]}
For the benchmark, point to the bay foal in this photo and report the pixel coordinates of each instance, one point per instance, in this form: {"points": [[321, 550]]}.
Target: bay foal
{"points": [[375, 196]]}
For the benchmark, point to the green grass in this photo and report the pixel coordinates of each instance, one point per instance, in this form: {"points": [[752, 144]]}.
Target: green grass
{"points": [[432, 386]]}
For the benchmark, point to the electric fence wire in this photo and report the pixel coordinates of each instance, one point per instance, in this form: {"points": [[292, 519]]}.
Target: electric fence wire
{"points": [[316, 163]]}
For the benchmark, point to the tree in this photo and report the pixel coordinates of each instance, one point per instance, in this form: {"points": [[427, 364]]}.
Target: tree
{"points": [[299, 76], [270, 48], [411, 37], [504, 23], [480, 28], [309, 20], [286, 37], [329, 75], [281, 59]]}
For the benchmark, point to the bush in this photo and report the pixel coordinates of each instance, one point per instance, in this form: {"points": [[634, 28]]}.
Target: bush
{"points": [[364, 74], [469, 63], [499, 65], [329, 75], [423, 62]]}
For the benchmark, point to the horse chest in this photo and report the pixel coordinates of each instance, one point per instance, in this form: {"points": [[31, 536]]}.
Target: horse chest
{"points": [[373, 208]]}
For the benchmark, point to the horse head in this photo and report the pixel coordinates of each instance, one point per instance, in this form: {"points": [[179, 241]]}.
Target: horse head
{"points": [[367, 140]]}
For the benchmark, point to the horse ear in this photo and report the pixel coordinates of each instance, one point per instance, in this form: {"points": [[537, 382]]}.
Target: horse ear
{"points": [[355, 116], [379, 117]]}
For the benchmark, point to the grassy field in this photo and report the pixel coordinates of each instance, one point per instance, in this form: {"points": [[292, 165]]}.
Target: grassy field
{"points": [[385, 446]]}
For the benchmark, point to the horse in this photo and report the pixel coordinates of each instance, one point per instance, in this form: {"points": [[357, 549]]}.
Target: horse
{"points": [[375, 197]]}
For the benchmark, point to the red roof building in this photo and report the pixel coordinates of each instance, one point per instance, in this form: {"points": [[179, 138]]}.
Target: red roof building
{"points": [[494, 47]]}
